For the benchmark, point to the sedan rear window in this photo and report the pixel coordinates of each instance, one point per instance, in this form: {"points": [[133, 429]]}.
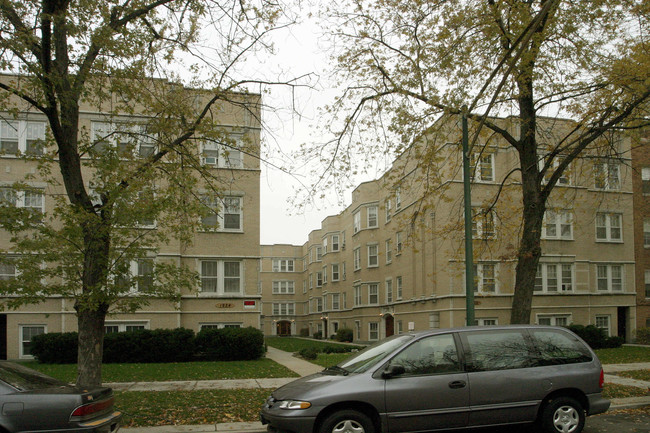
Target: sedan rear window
{"points": [[496, 350], [25, 379], [559, 348]]}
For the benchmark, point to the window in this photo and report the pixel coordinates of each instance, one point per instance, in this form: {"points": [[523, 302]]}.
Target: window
{"points": [[319, 253], [434, 320], [398, 238], [431, 355], [564, 177], [398, 288], [646, 232], [357, 330], [647, 283], [31, 199], [325, 274], [554, 277], [283, 265], [203, 326], [8, 269], [136, 276], [483, 167], [486, 322], [373, 294], [373, 259], [336, 275], [311, 281], [319, 305], [484, 278], [319, 279], [389, 251], [502, 350], [607, 175], [602, 322], [222, 215], [609, 227], [389, 290], [284, 308], [556, 347], [336, 301], [221, 155], [20, 136], [645, 180], [336, 245], [372, 216], [389, 210], [283, 287], [610, 278], [398, 198], [325, 245], [113, 327], [553, 319], [357, 259], [373, 331], [357, 295], [27, 332], [357, 222], [482, 223], [558, 224], [128, 139], [145, 275], [221, 277]]}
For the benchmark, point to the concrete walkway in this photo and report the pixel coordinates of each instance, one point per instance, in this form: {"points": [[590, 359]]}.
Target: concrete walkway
{"points": [[304, 368]]}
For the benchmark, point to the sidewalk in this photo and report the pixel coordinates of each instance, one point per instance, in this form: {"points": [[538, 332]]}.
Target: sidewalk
{"points": [[304, 368]]}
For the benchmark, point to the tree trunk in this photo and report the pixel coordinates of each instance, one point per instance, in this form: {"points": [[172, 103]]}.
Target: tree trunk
{"points": [[91, 345]]}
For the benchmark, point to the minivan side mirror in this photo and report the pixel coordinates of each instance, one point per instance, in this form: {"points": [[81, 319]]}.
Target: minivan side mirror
{"points": [[393, 370]]}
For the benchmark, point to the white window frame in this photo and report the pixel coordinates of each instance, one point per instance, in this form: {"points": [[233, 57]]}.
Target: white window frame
{"points": [[220, 278], [389, 290], [389, 210], [284, 308], [482, 278], [373, 294], [319, 279], [143, 143], [356, 221], [135, 270], [220, 325], [21, 198], [607, 280], [372, 216], [373, 255], [5, 267], [645, 180], [605, 228], [607, 175], [219, 208], [487, 321], [283, 265], [22, 133], [556, 223], [389, 251], [547, 272], [23, 341], [283, 287], [357, 296], [607, 327], [483, 224], [125, 325], [373, 331], [483, 167], [553, 319], [336, 243], [647, 283], [336, 272], [398, 288], [220, 155], [357, 258], [336, 301], [398, 243]]}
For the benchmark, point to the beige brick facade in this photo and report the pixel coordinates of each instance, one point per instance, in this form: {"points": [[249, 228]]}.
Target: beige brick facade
{"points": [[393, 260], [237, 247]]}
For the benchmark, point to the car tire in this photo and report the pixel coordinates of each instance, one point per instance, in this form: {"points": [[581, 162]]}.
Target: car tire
{"points": [[563, 415], [347, 421]]}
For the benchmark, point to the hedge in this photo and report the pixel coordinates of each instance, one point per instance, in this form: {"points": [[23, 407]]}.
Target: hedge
{"points": [[157, 345], [643, 336], [596, 337]]}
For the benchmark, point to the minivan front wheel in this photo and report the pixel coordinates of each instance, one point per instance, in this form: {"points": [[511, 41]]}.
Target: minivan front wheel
{"points": [[563, 415], [347, 421]]}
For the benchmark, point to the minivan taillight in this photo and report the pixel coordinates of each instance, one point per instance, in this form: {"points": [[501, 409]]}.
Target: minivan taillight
{"points": [[601, 381], [92, 408]]}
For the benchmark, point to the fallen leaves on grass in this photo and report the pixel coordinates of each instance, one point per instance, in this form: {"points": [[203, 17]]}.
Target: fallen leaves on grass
{"points": [[613, 390], [636, 374]]}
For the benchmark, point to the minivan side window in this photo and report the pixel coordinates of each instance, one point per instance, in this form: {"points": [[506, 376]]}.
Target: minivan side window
{"points": [[496, 350], [431, 355], [556, 347]]}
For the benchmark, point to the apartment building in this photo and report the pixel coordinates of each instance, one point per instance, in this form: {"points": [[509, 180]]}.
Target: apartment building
{"points": [[393, 260], [641, 185], [225, 254]]}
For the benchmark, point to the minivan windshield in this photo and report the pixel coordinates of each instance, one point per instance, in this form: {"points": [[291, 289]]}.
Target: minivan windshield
{"points": [[373, 354]]}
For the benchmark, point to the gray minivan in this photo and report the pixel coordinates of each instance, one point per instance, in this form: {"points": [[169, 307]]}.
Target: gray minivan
{"points": [[448, 378]]}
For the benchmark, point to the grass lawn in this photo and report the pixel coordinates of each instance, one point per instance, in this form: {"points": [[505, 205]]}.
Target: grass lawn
{"points": [[262, 368], [289, 344], [636, 374], [148, 409], [613, 390], [624, 355]]}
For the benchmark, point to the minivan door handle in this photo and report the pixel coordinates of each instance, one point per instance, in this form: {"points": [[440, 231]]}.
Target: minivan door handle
{"points": [[457, 384]]}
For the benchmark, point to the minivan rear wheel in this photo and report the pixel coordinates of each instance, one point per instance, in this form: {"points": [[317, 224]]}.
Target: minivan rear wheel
{"points": [[347, 421], [563, 415]]}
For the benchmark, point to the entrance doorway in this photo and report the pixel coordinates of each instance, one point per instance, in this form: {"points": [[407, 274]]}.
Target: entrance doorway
{"points": [[622, 322], [390, 325], [283, 328]]}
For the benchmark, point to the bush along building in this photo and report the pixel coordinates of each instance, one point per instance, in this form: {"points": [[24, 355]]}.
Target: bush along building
{"points": [[184, 219], [393, 260]]}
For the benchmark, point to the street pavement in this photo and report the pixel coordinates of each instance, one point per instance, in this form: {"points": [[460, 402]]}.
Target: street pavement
{"points": [[600, 424]]}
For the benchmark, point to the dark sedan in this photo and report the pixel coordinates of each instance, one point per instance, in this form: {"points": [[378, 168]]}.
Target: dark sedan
{"points": [[34, 402]]}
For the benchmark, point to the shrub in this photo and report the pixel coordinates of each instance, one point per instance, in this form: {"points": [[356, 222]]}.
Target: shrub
{"points": [[147, 346], [344, 335], [643, 335], [304, 332], [318, 335], [230, 344], [55, 348], [595, 337], [308, 353]]}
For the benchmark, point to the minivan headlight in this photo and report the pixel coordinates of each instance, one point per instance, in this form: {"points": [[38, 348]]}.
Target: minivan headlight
{"points": [[294, 404]]}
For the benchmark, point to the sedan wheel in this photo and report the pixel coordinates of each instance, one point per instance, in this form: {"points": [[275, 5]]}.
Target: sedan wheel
{"points": [[347, 421], [563, 415], [566, 419]]}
